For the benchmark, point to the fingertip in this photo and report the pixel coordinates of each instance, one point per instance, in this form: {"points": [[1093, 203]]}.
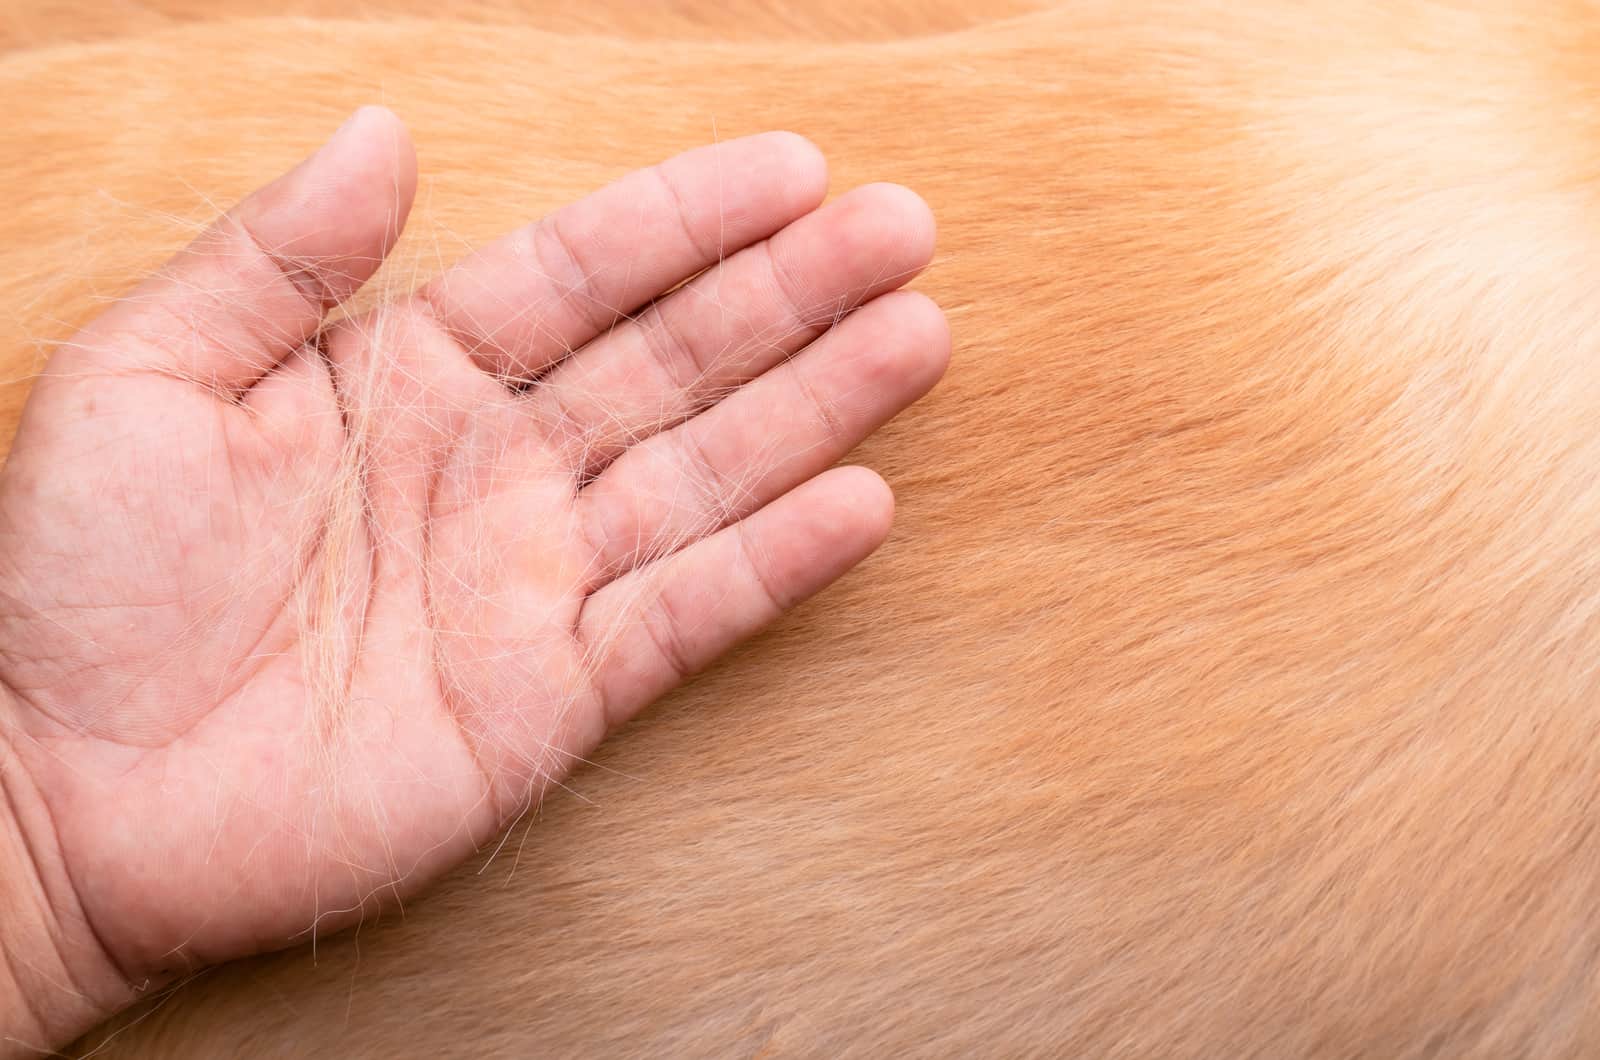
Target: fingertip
{"points": [[908, 214], [375, 114], [371, 147], [339, 212], [888, 224], [818, 531], [861, 504], [918, 337], [372, 144], [804, 165]]}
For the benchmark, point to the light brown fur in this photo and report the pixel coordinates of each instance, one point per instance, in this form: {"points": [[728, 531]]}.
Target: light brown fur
{"points": [[1231, 684]]}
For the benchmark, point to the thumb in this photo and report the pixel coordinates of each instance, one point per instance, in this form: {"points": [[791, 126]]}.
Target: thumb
{"points": [[255, 285]]}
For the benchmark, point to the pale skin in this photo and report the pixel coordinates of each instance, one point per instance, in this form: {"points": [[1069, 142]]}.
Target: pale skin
{"points": [[296, 612]]}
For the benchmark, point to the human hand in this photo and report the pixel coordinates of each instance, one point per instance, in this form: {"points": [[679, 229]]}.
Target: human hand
{"points": [[295, 614]]}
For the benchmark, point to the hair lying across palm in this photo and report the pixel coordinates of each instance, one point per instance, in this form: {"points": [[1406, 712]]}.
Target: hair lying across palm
{"points": [[317, 607]]}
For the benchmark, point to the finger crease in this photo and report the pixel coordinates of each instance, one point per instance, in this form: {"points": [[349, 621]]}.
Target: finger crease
{"points": [[671, 351], [821, 407], [667, 636], [682, 207], [717, 490], [577, 280], [758, 572], [793, 307], [304, 277]]}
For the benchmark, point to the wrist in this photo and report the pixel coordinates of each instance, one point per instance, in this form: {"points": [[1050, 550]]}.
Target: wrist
{"points": [[56, 981]]}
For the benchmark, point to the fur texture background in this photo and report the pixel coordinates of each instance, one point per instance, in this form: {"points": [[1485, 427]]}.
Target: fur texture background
{"points": [[1231, 683]]}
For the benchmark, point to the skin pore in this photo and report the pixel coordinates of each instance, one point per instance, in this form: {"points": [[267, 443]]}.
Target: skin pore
{"points": [[297, 609]]}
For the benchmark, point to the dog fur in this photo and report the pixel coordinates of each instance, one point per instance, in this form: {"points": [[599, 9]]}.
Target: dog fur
{"points": [[1231, 683]]}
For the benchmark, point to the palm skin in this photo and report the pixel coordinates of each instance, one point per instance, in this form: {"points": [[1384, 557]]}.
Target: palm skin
{"points": [[294, 614]]}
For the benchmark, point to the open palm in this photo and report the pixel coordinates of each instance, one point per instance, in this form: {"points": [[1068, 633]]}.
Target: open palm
{"points": [[293, 614]]}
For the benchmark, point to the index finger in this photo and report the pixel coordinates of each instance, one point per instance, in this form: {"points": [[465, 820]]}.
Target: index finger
{"points": [[525, 301]]}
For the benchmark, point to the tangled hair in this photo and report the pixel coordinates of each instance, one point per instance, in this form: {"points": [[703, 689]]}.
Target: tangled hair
{"points": [[1231, 684]]}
